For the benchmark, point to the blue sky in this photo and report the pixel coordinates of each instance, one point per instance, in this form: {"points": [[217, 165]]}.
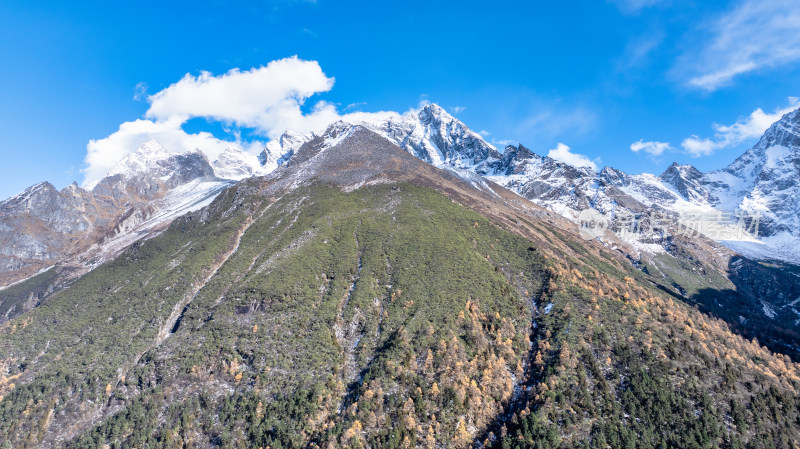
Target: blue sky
{"points": [[595, 76]]}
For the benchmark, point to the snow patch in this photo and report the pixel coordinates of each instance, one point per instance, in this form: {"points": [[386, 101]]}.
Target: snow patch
{"points": [[775, 155]]}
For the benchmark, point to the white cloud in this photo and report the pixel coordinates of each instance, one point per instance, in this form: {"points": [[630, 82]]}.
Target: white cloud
{"points": [[355, 106], [103, 154], [634, 6], [267, 100], [650, 147], [756, 34], [458, 109], [750, 127], [639, 50], [140, 91], [563, 153], [697, 147]]}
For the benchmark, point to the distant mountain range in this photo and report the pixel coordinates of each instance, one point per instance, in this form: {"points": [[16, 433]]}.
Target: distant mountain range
{"points": [[379, 288], [80, 228], [762, 184], [76, 229]]}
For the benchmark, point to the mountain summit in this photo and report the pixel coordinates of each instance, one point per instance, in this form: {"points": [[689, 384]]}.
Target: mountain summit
{"points": [[78, 228], [153, 185], [358, 296]]}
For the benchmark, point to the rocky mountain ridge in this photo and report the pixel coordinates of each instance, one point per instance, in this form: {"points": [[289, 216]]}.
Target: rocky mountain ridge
{"points": [[358, 296], [762, 183], [80, 228]]}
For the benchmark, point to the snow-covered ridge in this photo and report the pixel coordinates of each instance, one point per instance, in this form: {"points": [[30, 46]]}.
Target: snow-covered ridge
{"points": [[763, 180], [431, 134], [147, 156], [436, 137], [236, 164]]}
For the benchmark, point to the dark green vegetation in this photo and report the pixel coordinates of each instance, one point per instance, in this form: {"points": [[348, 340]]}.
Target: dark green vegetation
{"points": [[24, 296], [739, 295], [385, 317]]}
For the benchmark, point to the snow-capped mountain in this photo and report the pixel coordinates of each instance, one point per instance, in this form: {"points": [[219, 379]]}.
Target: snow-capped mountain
{"points": [[237, 165], [143, 192], [151, 171], [278, 151], [767, 175], [83, 227], [430, 134], [151, 186], [762, 182], [436, 137]]}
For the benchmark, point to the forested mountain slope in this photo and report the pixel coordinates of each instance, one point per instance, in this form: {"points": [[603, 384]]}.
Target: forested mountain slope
{"points": [[359, 297]]}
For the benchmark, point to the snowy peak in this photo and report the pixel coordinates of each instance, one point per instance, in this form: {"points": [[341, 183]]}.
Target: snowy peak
{"points": [[152, 170], [684, 171], [689, 182], [434, 112], [512, 161], [152, 159], [278, 151], [522, 160], [766, 178], [333, 135], [236, 164], [614, 177], [783, 133], [146, 156], [293, 140], [433, 135], [519, 153], [430, 134]]}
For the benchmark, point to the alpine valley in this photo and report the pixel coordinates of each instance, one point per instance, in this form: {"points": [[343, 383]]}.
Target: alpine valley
{"points": [[400, 282]]}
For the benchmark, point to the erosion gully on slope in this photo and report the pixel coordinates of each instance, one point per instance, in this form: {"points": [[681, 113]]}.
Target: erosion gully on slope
{"points": [[349, 335]]}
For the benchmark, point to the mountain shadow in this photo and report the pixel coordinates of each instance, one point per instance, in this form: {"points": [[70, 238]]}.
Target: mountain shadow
{"points": [[763, 306]]}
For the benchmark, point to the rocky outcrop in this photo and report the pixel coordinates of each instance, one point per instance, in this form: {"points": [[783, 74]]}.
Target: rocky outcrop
{"points": [[43, 226]]}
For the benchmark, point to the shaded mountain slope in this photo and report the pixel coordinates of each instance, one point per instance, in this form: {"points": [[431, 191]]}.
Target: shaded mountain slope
{"points": [[359, 297]]}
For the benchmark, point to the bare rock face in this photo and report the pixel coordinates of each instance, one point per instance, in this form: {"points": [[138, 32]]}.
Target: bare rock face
{"points": [[41, 226]]}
